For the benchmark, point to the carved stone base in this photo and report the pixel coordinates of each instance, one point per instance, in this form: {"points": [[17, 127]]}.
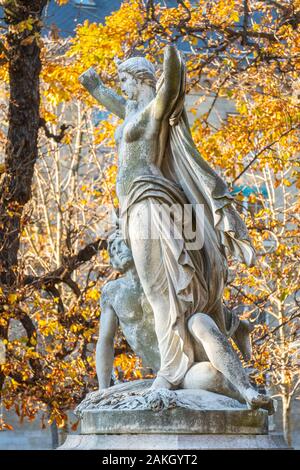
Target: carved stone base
{"points": [[174, 421]]}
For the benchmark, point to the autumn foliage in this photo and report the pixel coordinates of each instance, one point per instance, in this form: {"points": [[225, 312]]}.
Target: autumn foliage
{"points": [[242, 52]]}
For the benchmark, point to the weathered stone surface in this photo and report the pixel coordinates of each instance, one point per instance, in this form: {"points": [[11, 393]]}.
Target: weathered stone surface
{"points": [[210, 421], [174, 421], [138, 395], [173, 442]]}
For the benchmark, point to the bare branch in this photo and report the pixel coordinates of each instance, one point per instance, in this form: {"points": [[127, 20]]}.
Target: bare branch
{"points": [[62, 274]]}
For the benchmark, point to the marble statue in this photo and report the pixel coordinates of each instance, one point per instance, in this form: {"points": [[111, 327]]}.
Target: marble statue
{"points": [[159, 167]]}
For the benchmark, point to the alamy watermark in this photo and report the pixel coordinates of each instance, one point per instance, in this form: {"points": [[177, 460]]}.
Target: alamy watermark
{"points": [[163, 221]]}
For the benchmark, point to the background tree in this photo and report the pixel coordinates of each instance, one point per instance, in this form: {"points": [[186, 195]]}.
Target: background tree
{"points": [[21, 50], [23, 54], [245, 51]]}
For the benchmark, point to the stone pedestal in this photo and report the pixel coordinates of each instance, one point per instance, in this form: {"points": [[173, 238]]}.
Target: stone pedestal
{"points": [[174, 421], [173, 442], [132, 417], [173, 429]]}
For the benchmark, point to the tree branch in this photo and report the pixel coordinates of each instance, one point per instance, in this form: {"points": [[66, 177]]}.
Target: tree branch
{"points": [[56, 137], [266, 147], [285, 322], [62, 274]]}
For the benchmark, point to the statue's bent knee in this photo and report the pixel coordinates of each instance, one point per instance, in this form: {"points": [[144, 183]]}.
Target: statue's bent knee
{"points": [[200, 324]]}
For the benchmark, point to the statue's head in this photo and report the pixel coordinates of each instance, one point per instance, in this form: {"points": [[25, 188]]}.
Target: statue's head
{"points": [[136, 73], [120, 255]]}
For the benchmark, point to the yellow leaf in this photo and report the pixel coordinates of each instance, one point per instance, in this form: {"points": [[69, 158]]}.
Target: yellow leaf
{"points": [[12, 298], [234, 16], [226, 294], [93, 294]]}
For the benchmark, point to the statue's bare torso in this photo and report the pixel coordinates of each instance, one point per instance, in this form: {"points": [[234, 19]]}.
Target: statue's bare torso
{"points": [[135, 318], [137, 141]]}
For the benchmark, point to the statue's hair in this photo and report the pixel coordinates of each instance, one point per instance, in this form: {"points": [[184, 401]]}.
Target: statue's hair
{"points": [[114, 236], [139, 68]]}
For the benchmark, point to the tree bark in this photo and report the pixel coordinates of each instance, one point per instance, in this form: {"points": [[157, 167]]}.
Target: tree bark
{"points": [[54, 435], [286, 419], [24, 24]]}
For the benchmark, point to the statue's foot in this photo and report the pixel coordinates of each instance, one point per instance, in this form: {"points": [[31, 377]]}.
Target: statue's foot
{"points": [[257, 401], [161, 382], [263, 402]]}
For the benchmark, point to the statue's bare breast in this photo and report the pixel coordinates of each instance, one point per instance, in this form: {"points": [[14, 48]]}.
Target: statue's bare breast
{"points": [[137, 141]]}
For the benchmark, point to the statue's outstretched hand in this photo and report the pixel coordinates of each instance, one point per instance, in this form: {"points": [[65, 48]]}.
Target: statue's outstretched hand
{"points": [[106, 96], [90, 79]]}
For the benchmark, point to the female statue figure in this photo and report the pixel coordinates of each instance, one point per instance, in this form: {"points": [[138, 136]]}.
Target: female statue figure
{"points": [[159, 167]]}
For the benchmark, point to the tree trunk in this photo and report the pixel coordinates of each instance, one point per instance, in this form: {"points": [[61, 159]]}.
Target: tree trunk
{"points": [[286, 420], [24, 24], [54, 435]]}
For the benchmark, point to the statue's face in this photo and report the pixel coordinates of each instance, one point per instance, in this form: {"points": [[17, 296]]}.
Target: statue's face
{"points": [[120, 255], [129, 85]]}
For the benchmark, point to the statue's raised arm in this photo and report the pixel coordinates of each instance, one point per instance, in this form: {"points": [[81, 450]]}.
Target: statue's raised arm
{"points": [[113, 102], [170, 87]]}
